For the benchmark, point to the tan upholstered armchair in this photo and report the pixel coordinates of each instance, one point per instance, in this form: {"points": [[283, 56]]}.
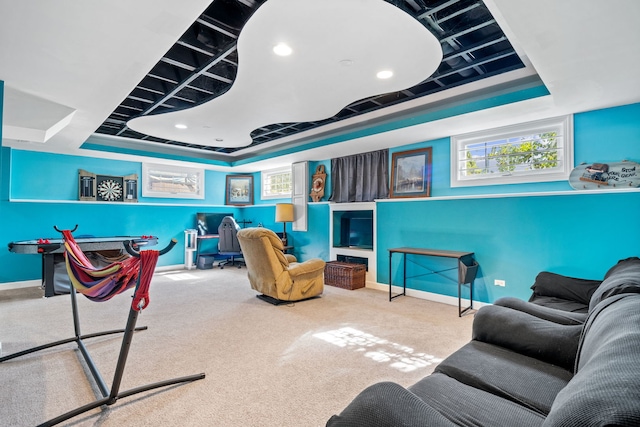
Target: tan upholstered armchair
{"points": [[275, 274]]}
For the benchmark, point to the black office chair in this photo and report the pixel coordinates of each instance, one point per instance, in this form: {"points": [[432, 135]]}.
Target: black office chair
{"points": [[228, 244]]}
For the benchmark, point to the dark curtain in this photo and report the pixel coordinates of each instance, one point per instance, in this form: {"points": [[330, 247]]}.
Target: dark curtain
{"points": [[360, 178]]}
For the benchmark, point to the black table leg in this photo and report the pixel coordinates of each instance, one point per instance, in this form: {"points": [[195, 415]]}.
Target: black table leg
{"points": [[47, 274]]}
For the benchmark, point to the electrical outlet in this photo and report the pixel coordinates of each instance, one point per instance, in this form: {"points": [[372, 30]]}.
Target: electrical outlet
{"points": [[499, 283]]}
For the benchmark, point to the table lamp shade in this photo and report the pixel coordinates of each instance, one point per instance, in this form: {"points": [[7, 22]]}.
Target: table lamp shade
{"points": [[284, 212]]}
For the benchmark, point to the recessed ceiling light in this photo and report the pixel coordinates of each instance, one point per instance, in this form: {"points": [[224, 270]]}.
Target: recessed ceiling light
{"points": [[282, 49], [181, 126], [384, 74]]}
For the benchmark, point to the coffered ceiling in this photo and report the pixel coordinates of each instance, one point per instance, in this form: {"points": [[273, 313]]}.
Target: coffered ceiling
{"points": [[203, 63]]}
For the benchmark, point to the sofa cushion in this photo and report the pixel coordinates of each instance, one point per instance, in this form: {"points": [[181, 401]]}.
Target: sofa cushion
{"points": [[564, 317], [388, 404], [559, 304], [605, 390], [521, 379], [565, 288], [528, 335], [469, 406]]}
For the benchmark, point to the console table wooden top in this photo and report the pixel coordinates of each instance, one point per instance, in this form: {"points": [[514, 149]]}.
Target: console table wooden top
{"points": [[431, 252]]}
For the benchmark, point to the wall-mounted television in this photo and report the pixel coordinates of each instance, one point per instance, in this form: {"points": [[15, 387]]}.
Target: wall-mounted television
{"points": [[353, 229], [208, 223]]}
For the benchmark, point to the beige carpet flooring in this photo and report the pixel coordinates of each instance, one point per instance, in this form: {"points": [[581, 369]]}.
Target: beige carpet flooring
{"points": [[265, 365]]}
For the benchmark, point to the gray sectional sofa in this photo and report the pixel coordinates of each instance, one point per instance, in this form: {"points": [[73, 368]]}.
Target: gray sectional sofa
{"points": [[569, 357]]}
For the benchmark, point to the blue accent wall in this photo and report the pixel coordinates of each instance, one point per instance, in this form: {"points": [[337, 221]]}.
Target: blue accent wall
{"points": [[47, 176], [23, 221], [609, 135], [514, 238], [442, 168]]}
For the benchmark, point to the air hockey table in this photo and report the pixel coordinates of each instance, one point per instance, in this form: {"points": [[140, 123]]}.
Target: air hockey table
{"points": [[52, 249]]}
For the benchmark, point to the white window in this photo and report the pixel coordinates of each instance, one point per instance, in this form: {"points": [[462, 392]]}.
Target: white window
{"points": [[528, 152], [276, 183]]}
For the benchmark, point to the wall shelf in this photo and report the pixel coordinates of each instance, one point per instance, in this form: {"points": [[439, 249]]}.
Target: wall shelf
{"points": [[508, 195]]}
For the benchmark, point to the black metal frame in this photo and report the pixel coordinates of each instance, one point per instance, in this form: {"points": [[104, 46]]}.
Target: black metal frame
{"points": [[467, 269], [109, 397]]}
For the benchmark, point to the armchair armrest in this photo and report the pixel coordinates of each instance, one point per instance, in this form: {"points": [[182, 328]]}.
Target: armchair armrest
{"points": [[528, 335], [311, 266], [307, 274]]}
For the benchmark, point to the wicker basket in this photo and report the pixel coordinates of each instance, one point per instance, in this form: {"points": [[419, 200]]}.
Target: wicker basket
{"points": [[344, 275]]}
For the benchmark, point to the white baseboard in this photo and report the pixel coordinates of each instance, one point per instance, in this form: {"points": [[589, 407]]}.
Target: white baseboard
{"points": [[172, 267], [430, 296], [19, 285]]}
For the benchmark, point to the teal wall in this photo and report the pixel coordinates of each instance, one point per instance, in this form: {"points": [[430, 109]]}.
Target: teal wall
{"points": [[43, 191], [514, 236], [47, 176], [442, 168]]}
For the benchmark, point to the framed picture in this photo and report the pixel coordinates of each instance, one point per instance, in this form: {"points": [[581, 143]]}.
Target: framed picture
{"points": [[172, 181], [239, 190], [411, 173]]}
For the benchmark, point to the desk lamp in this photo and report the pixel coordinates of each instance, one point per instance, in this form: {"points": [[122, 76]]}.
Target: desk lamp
{"points": [[284, 213]]}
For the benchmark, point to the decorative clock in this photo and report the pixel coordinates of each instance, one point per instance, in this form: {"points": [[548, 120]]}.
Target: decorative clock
{"points": [[317, 184], [105, 188]]}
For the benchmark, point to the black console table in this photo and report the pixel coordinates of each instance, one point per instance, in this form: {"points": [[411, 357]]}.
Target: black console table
{"points": [[467, 269]]}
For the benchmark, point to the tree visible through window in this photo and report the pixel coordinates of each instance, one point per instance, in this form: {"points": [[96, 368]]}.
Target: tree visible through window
{"points": [[522, 153], [529, 152]]}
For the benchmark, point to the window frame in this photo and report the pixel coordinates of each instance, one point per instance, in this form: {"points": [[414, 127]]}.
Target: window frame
{"points": [[264, 179], [563, 124]]}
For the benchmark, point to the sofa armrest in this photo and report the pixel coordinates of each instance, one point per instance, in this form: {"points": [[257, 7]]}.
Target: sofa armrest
{"points": [[564, 287], [290, 258], [528, 335], [551, 314], [388, 404]]}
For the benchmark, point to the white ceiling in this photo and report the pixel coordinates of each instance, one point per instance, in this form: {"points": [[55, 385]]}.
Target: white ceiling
{"points": [[74, 61]]}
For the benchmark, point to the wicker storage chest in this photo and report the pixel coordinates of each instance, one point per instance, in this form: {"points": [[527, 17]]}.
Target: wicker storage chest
{"points": [[344, 275]]}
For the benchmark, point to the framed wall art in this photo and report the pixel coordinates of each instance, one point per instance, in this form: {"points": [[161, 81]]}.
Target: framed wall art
{"points": [[239, 190], [172, 181], [411, 173]]}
